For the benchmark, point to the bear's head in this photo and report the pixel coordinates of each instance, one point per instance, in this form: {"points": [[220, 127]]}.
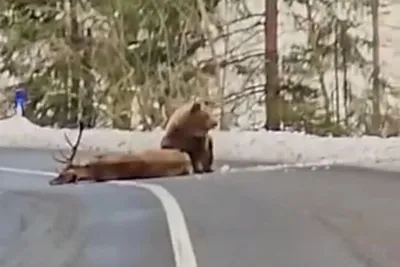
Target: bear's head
{"points": [[193, 119]]}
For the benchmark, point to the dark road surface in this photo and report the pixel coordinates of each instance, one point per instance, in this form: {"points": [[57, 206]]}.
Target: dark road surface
{"points": [[88, 226], [345, 217]]}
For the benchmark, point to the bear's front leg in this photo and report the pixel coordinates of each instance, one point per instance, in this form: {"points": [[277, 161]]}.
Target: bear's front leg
{"points": [[207, 158], [195, 160], [196, 164]]}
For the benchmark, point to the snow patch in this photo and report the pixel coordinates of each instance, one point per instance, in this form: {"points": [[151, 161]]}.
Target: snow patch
{"points": [[284, 148]]}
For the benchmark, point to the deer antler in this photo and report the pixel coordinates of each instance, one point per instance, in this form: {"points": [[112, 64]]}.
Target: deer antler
{"points": [[68, 160]]}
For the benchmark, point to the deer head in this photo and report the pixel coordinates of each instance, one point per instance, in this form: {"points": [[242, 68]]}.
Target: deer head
{"points": [[68, 173]]}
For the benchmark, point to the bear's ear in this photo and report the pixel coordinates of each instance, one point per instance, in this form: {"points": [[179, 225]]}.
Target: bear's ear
{"points": [[196, 107]]}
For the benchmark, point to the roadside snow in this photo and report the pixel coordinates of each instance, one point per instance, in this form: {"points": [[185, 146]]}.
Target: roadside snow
{"points": [[265, 147]]}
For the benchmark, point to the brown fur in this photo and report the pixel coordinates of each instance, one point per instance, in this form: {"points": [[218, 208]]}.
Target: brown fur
{"points": [[187, 130], [149, 163]]}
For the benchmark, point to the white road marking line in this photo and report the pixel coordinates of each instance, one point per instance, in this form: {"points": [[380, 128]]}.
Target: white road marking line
{"points": [[181, 244], [179, 234], [312, 165], [25, 171]]}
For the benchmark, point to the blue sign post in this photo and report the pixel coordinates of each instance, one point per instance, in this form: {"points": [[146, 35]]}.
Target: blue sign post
{"points": [[19, 101]]}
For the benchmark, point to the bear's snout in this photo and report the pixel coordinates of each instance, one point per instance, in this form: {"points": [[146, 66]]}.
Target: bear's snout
{"points": [[213, 124]]}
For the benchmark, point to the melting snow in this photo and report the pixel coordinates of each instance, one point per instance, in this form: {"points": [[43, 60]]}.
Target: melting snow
{"points": [[287, 149]]}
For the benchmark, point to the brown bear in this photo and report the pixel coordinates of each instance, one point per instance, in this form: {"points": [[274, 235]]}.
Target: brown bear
{"points": [[187, 130]]}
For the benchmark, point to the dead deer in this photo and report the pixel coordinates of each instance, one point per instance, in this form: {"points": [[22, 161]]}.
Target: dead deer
{"points": [[150, 163]]}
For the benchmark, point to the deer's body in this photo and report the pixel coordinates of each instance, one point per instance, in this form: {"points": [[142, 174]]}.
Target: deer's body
{"points": [[150, 163], [145, 164]]}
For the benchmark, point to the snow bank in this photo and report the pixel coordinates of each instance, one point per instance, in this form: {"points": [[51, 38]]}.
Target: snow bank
{"points": [[267, 147]]}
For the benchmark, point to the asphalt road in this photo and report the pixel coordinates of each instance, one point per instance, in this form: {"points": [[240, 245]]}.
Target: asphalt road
{"points": [[303, 218]]}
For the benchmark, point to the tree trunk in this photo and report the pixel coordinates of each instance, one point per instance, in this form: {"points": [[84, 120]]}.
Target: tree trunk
{"points": [[324, 90], [336, 64], [75, 66], [375, 73], [346, 91], [271, 66], [88, 111]]}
